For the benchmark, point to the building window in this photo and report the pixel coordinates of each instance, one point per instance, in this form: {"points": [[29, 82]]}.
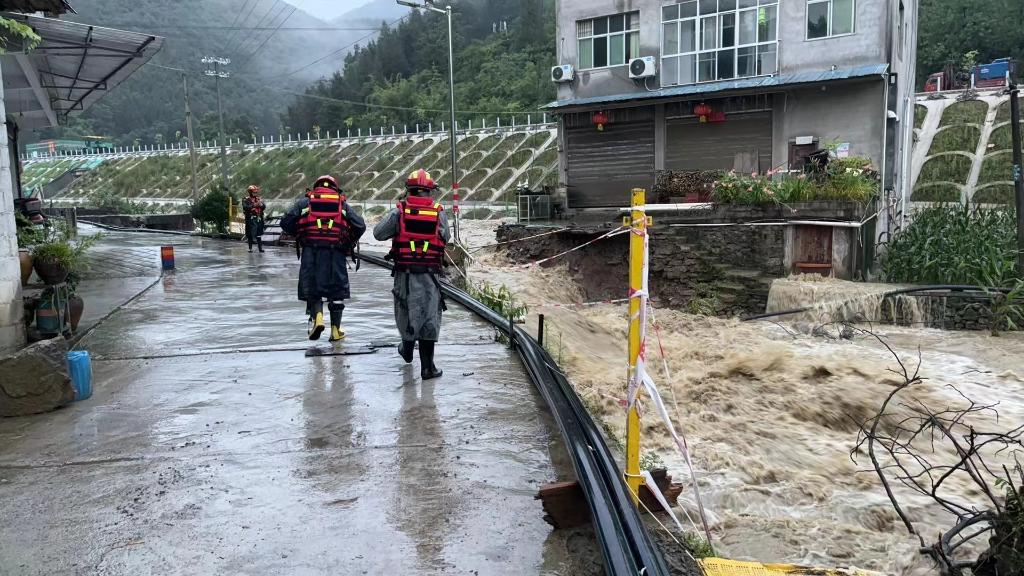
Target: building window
{"points": [[706, 40], [608, 40], [827, 18]]}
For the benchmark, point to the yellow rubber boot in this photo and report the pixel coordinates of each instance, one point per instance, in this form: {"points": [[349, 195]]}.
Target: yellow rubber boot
{"points": [[337, 334], [316, 326]]}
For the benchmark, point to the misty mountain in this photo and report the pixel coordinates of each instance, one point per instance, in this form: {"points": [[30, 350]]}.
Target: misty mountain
{"points": [[149, 106], [372, 13]]}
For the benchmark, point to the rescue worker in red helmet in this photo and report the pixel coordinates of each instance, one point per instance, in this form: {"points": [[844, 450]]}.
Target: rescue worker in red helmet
{"points": [[418, 230], [253, 207], [326, 228]]}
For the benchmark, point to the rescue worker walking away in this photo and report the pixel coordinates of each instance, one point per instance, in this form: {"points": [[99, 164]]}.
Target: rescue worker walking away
{"points": [[418, 230], [326, 229], [253, 207]]}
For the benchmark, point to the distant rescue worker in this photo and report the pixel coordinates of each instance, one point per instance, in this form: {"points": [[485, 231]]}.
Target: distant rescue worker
{"points": [[253, 207], [418, 230], [326, 229]]}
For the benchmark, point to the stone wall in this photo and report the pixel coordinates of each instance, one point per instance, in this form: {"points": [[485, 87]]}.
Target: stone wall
{"points": [[12, 327], [727, 268]]}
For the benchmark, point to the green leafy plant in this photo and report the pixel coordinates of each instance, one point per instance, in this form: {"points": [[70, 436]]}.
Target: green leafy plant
{"points": [[697, 545], [734, 188], [212, 210], [502, 301], [28, 233], [60, 253], [12, 29]]}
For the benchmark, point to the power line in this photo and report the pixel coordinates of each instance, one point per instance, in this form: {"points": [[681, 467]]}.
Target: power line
{"points": [[338, 51], [265, 40], [386, 107], [235, 22], [239, 50], [233, 35]]}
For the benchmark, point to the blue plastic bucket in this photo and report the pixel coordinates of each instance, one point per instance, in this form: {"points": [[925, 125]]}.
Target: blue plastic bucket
{"points": [[80, 369]]}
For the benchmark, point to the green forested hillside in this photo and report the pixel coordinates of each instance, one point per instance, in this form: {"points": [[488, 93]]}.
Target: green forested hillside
{"points": [[403, 74], [148, 108], [949, 29]]}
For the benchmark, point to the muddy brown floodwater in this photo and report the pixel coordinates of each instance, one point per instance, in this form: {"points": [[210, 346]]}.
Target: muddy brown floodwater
{"points": [[193, 457], [771, 415]]}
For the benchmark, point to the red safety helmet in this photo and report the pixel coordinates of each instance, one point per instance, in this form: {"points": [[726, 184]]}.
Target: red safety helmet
{"points": [[254, 189], [326, 182], [420, 179]]}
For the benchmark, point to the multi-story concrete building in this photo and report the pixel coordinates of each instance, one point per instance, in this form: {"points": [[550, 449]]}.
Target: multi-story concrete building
{"points": [[773, 79]]}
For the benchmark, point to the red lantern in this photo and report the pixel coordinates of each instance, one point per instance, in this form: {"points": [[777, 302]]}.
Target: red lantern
{"points": [[702, 109], [600, 119]]}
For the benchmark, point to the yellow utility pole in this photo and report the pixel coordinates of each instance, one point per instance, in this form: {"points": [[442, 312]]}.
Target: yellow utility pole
{"points": [[638, 225]]}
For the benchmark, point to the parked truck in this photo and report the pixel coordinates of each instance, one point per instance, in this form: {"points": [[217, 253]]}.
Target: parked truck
{"points": [[995, 74]]}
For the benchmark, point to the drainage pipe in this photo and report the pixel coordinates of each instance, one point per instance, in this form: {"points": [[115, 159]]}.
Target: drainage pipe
{"points": [[891, 293], [625, 542]]}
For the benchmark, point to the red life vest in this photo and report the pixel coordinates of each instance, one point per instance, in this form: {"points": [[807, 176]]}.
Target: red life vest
{"points": [[418, 245], [324, 222], [256, 205]]}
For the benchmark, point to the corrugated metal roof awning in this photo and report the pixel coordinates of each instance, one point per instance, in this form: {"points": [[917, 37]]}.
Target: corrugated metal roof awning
{"points": [[73, 67], [760, 82], [50, 6]]}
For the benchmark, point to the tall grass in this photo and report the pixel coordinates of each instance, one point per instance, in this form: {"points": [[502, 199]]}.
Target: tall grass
{"points": [[955, 244]]}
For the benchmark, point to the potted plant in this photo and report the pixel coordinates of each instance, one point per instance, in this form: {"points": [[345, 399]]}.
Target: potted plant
{"points": [[52, 261], [28, 236]]}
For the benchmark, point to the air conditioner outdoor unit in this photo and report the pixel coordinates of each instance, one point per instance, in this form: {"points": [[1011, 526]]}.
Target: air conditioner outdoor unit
{"points": [[642, 67], [563, 73]]}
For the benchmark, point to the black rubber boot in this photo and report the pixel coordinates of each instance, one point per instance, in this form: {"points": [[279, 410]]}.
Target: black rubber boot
{"points": [[337, 334], [316, 319], [405, 350], [259, 242], [427, 369]]}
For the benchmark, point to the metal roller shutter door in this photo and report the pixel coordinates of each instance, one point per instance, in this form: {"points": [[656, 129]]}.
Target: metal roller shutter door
{"points": [[742, 143], [602, 167]]}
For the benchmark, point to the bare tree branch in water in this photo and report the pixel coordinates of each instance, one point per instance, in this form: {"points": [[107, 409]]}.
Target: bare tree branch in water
{"points": [[923, 448]]}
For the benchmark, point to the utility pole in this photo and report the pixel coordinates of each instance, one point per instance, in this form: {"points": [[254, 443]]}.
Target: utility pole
{"points": [[1018, 182], [191, 139], [218, 74]]}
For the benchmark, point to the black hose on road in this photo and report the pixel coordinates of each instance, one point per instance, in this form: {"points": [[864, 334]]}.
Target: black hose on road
{"points": [[627, 546]]}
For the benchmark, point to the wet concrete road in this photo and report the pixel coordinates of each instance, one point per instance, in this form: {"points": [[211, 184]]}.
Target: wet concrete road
{"points": [[187, 461]]}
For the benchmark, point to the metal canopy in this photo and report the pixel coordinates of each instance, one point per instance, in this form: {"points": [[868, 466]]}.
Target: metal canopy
{"points": [[49, 6], [73, 67], [743, 84]]}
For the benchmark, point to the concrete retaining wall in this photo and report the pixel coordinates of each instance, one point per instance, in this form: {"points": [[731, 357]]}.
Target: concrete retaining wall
{"points": [[690, 260]]}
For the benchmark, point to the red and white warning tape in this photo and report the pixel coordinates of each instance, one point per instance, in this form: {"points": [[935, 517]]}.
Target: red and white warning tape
{"points": [[615, 232]]}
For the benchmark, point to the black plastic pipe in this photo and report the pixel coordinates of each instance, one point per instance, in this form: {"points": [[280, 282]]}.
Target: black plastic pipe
{"points": [[625, 542], [901, 291]]}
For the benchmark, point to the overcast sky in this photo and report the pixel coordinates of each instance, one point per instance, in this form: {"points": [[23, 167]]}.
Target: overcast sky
{"points": [[327, 9]]}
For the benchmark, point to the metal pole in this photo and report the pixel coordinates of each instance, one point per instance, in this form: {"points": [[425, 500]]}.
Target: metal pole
{"points": [[191, 141], [636, 276], [451, 84], [1018, 181], [223, 150], [540, 330]]}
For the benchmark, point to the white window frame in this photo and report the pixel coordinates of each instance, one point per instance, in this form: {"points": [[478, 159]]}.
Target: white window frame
{"points": [[736, 46], [634, 21], [807, 27]]}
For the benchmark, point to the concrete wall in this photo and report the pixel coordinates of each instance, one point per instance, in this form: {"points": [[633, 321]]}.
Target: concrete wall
{"points": [[865, 46], [606, 81], [851, 112], [12, 327]]}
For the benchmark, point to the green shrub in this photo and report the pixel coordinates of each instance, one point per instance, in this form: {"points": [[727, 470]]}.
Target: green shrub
{"points": [[956, 139], [733, 188], [1003, 113], [966, 112], [947, 168], [994, 194], [212, 210], [955, 244], [942, 192]]}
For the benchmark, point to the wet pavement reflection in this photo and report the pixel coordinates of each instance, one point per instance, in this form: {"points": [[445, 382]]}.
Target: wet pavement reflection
{"points": [[190, 461]]}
